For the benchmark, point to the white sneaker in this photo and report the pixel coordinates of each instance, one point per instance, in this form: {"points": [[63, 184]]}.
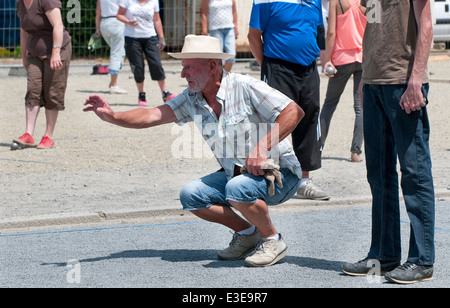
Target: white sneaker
{"points": [[311, 191], [240, 246], [117, 90], [268, 252]]}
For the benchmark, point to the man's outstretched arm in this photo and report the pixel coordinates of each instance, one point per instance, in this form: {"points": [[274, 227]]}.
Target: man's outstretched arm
{"points": [[136, 118]]}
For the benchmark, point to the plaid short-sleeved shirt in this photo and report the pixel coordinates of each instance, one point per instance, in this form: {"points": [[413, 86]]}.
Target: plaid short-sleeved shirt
{"points": [[250, 109]]}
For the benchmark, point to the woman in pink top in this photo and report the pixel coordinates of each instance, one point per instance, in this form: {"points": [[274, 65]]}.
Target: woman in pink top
{"points": [[346, 24]]}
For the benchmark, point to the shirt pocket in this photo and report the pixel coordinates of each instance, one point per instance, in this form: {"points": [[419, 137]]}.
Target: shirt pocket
{"points": [[237, 133]]}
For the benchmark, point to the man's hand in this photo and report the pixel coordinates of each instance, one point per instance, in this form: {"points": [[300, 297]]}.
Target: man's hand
{"points": [[100, 106], [271, 173], [412, 99]]}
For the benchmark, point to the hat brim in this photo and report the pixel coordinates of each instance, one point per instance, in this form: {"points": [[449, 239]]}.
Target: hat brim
{"points": [[200, 55]]}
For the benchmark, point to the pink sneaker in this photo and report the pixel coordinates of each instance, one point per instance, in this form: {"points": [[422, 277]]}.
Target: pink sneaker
{"points": [[142, 99], [25, 140], [46, 143]]}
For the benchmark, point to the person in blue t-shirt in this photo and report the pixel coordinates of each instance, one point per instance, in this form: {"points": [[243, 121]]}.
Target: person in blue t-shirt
{"points": [[285, 38]]}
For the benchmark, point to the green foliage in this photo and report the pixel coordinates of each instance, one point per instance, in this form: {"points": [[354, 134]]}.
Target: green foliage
{"points": [[82, 28]]}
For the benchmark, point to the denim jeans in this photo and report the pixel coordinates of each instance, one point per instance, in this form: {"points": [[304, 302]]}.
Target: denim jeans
{"points": [[246, 188], [391, 133], [112, 32], [336, 86], [227, 41]]}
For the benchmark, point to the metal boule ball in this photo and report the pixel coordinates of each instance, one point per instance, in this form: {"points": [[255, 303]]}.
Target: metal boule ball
{"points": [[330, 70], [14, 146]]}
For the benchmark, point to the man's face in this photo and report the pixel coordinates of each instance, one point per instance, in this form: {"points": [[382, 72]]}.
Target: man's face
{"points": [[196, 73]]}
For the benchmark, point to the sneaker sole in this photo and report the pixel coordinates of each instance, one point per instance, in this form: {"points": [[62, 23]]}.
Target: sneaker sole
{"points": [[362, 274], [408, 282], [278, 258], [312, 198]]}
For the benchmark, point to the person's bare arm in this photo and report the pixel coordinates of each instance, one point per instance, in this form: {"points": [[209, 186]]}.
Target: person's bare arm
{"points": [[256, 44], [98, 18], [24, 48], [136, 118], [235, 19], [121, 17], [412, 99], [205, 10], [286, 122], [331, 36], [54, 16]]}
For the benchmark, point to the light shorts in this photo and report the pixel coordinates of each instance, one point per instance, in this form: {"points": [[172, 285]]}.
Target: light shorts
{"points": [[227, 41], [245, 188]]}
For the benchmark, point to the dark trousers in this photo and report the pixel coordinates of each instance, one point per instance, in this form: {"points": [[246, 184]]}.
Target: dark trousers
{"points": [[302, 85], [391, 133], [336, 86], [136, 49]]}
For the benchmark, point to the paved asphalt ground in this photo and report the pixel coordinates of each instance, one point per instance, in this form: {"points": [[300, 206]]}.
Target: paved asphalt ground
{"points": [[182, 254]]}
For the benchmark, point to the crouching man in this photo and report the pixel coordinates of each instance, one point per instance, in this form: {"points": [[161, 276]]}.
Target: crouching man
{"points": [[259, 167]]}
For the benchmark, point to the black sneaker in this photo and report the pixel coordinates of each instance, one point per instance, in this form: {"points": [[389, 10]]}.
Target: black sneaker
{"points": [[363, 267], [167, 96], [410, 273]]}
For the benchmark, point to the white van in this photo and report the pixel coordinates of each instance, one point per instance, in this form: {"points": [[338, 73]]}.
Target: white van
{"points": [[441, 25]]}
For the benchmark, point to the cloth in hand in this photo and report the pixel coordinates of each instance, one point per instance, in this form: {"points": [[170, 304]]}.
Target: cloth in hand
{"points": [[271, 173]]}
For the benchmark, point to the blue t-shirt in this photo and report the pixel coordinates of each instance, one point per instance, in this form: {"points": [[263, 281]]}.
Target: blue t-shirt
{"points": [[289, 28]]}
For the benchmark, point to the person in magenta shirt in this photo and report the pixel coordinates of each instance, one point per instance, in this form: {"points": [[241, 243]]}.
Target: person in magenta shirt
{"points": [[346, 24]]}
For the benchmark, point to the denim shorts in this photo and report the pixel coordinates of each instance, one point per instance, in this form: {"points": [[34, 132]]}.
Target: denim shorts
{"points": [[227, 41], [245, 188]]}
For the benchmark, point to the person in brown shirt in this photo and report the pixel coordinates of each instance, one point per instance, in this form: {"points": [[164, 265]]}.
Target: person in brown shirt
{"points": [[396, 45], [46, 53]]}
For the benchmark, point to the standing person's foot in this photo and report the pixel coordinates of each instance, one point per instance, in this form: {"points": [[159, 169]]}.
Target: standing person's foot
{"points": [[46, 143], [268, 252], [117, 90], [240, 246], [363, 267], [142, 99], [308, 190], [167, 96], [410, 273], [356, 158], [25, 140]]}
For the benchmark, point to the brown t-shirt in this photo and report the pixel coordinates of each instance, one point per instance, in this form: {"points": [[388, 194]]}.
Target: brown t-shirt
{"points": [[39, 29], [389, 42]]}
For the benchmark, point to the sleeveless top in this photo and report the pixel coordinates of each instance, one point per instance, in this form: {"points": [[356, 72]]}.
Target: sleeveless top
{"points": [[220, 14], [349, 35]]}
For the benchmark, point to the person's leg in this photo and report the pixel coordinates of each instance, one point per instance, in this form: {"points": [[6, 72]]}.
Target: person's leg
{"points": [[229, 46], [33, 98], [335, 88], [258, 214], [153, 56], [134, 50], [411, 132], [54, 89], [358, 129], [205, 198], [249, 195], [381, 163]]}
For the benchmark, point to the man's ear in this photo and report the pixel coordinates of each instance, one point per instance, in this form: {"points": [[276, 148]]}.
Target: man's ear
{"points": [[212, 65]]}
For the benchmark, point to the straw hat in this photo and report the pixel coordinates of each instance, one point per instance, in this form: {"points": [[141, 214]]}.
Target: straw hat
{"points": [[201, 47]]}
